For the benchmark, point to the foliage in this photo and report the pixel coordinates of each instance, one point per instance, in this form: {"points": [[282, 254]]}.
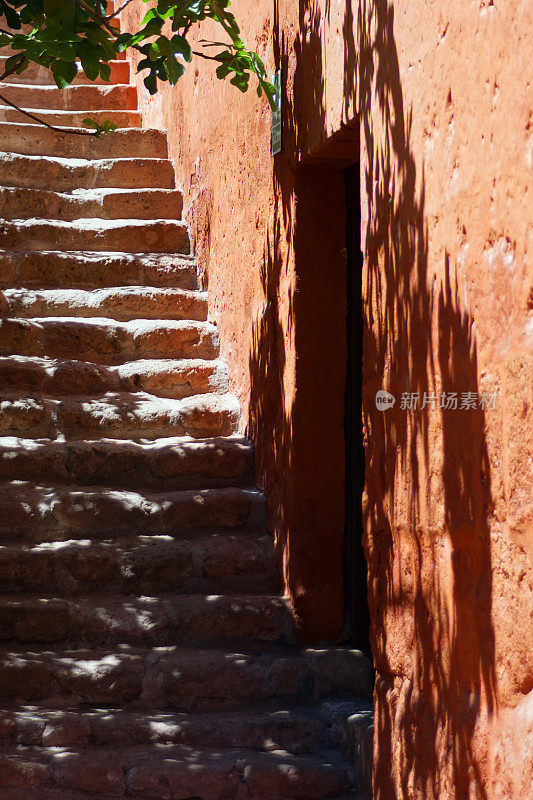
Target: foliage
{"points": [[62, 34]]}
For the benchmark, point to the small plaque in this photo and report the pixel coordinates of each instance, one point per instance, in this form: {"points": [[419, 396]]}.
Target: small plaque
{"points": [[277, 127]]}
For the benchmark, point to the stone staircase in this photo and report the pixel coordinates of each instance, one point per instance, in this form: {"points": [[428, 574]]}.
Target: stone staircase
{"points": [[146, 651]]}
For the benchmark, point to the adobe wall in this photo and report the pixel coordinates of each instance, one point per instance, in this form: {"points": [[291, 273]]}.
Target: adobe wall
{"points": [[442, 107]]}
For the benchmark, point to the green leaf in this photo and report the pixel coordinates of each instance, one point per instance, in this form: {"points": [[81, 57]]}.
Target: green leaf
{"points": [[180, 46], [64, 73], [175, 69]]}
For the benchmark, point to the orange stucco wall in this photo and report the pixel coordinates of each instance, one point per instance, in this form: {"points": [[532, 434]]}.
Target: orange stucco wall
{"points": [[437, 98]]}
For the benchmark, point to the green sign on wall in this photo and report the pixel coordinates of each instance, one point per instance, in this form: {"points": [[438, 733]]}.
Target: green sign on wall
{"points": [[277, 127]]}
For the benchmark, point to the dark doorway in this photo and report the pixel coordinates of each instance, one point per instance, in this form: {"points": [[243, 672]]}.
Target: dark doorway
{"points": [[355, 569]]}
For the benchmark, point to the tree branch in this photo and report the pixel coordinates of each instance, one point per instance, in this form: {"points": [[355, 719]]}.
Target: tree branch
{"points": [[117, 12]]}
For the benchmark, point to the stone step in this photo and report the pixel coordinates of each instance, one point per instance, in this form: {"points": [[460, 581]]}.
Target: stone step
{"points": [[107, 341], [56, 513], [180, 678], [72, 119], [128, 236], [164, 378], [124, 415], [99, 621], [121, 303], [293, 729], [89, 270], [67, 174], [31, 139], [217, 563], [104, 97], [146, 204], [34, 74], [169, 465], [172, 772]]}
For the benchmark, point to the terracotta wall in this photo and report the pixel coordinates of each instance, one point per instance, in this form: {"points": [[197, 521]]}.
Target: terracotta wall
{"points": [[439, 97]]}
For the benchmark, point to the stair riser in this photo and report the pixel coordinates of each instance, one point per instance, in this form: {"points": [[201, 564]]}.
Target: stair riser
{"points": [[113, 343], [123, 119], [183, 680], [35, 74], [94, 270], [154, 237], [144, 566], [86, 418], [44, 173], [65, 377], [75, 98], [28, 139], [147, 204], [292, 731]]}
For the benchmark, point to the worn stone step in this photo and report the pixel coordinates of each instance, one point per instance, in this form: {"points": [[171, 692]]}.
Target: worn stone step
{"points": [[119, 303], [107, 341], [42, 514], [217, 563], [164, 378], [104, 97], [129, 236], [74, 119], [98, 621], [66, 174], [31, 139], [88, 270], [120, 415], [293, 729], [163, 465], [34, 74], [181, 678], [146, 204], [173, 772]]}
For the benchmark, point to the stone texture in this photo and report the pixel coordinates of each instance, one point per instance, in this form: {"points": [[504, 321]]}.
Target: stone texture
{"points": [[36, 75], [439, 98], [66, 174], [73, 119], [74, 98], [164, 464], [107, 341], [122, 303], [140, 605], [164, 377], [124, 235], [19, 204], [31, 139], [54, 269]]}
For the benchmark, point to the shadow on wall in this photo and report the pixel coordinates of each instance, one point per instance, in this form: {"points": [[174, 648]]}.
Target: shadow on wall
{"points": [[429, 588]]}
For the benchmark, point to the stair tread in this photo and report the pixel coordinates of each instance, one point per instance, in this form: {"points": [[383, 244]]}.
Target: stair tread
{"points": [[92, 269], [171, 303], [64, 512], [105, 340], [141, 565], [186, 771], [23, 203], [173, 378], [296, 729]]}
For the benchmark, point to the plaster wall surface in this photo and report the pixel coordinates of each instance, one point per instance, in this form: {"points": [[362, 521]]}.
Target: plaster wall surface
{"points": [[437, 100]]}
